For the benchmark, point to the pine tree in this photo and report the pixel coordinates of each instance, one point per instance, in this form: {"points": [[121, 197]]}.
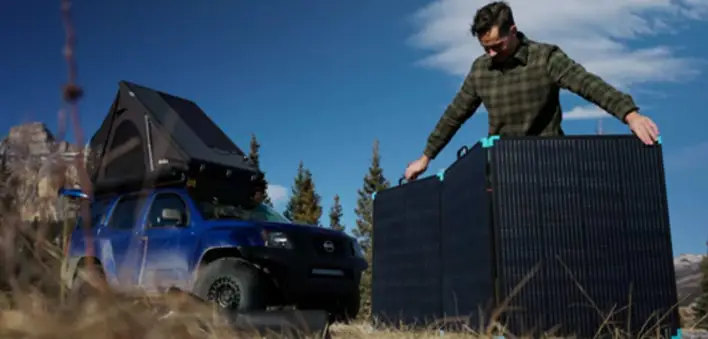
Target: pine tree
{"points": [[255, 157], [305, 205], [335, 215], [374, 181], [701, 306], [310, 202], [293, 207]]}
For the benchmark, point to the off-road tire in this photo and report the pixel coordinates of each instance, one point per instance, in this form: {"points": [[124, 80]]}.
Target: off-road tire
{"points": [[230, 273], [81, 289]]}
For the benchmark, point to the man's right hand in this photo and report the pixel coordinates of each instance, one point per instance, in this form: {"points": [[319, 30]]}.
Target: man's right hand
{"points": [[417, 167]]}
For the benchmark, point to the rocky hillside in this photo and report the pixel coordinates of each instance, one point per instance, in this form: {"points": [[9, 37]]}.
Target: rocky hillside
{"points": [[36, 165], [36, 139], [688, 277]]}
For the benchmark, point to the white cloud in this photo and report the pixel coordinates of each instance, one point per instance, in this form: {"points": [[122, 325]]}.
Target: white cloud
{"points": [[585, 112], [278, 194], [595, 33]]}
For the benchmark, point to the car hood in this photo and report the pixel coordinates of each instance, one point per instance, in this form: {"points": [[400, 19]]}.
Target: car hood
{"points": [[274, 226]]}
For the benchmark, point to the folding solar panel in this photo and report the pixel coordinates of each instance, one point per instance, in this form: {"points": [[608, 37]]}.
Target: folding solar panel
{"points": [[568, 235], [585, 219], [406, 265], [467, 246]]}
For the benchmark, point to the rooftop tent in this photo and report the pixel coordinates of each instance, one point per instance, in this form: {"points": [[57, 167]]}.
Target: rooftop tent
{"points": [[152, 138]]}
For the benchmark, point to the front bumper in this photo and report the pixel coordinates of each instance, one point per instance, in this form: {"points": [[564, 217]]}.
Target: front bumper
{"points": [[300, 277]]}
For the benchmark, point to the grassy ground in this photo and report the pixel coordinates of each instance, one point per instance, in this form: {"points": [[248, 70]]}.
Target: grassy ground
{"points": [[36, 316], [32, 314]]}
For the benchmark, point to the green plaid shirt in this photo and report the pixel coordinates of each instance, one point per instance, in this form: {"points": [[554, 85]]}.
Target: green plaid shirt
{"points": [[522, 96]]}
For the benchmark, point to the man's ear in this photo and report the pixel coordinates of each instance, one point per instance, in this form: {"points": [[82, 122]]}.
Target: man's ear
{"points": [[513, 30]]}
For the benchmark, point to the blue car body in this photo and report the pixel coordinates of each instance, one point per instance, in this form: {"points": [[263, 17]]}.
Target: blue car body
{"points": [[136, 250]]}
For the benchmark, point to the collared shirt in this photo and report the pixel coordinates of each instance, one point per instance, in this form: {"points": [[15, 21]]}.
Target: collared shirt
{"points": [[522, 95]]}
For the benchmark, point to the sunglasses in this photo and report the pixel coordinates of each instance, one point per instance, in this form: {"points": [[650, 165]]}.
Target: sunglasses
{"points": [[498, 45]]}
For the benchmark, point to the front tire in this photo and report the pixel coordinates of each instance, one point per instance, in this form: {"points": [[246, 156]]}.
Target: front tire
{"points": [[233, 284], [81, 287]]}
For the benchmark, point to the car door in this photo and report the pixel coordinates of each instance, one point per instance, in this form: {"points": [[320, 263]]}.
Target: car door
{"points": [[121, 242], [165, 262]]}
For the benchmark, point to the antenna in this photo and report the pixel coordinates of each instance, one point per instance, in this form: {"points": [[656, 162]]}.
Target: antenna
{"points": [[599, 130]]}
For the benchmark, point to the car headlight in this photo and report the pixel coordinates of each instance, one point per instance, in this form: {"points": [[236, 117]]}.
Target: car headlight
{"points": [[276, 239], [358, 251]]}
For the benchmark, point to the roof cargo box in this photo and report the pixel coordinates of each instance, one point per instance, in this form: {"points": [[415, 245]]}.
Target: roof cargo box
{"points": [[150, 138]]}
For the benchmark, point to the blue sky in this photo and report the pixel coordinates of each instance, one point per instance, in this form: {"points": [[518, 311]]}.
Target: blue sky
{"points": [[318, 81]]}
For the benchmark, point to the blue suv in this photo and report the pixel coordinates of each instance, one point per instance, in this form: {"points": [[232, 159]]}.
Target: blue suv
{"points": [[243, 259]]}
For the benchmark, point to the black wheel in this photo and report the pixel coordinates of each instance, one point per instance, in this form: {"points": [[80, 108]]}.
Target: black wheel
{"points": [[81, 288], [233, 284]]}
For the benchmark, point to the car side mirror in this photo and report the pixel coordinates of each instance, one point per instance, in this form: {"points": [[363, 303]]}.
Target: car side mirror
{"points": [[170, 214], [72, 193]]}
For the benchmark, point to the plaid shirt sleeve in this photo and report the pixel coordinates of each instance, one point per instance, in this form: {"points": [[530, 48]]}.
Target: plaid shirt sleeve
{"points": [[572, 76], [463, 106]]}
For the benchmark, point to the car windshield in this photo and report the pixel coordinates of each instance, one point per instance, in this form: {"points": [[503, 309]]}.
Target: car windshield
{"points": [[214, 210]]}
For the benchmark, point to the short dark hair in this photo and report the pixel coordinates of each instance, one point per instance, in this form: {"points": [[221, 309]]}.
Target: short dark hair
{"points": [[497, 13]]}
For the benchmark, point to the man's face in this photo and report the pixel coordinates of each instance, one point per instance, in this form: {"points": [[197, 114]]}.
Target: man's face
{"points": [[498, 46]]}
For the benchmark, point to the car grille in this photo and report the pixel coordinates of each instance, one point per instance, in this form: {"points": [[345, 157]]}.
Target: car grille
{"points": [[340, 247]]}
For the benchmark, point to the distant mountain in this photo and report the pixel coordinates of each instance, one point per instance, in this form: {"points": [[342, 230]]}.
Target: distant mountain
{"points": [[688, 277], [36, 139], [40, 163]]}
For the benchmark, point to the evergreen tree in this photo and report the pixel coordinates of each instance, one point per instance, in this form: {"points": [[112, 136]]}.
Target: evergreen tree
{"points": [[305, 205], [335, 215], [292, 209], [255, 157], [701, 306], [310, 202], [374, 181]]}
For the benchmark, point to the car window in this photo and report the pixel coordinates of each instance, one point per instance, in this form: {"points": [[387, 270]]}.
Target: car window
{"points": [[99, 208], [167, 201], [97, 211], [262, 212], [125, 214]]}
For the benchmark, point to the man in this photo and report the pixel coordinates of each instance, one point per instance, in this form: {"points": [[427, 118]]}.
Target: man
{"points": [[519, 83]]}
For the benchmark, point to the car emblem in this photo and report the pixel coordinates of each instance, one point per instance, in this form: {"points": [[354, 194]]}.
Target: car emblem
{"points": [[328, 246]]}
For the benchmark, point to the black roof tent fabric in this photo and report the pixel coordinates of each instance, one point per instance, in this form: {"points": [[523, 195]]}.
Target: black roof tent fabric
{"points": [[149, 134]]}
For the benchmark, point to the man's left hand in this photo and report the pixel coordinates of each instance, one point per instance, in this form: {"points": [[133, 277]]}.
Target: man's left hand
{"points": [[643, 127]]}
